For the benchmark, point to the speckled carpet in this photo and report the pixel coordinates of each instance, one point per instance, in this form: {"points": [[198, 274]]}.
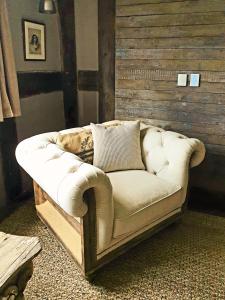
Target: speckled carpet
{"points": [[185, 261]]}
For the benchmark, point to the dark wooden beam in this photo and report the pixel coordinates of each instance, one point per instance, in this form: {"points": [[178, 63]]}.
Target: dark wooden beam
{"points": [[106, 33], [88, 80], [69, 78], [34, 83]]}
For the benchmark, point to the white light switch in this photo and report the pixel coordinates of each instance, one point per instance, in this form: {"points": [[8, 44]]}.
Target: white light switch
{"points": [[195, 80], [182, 80]]}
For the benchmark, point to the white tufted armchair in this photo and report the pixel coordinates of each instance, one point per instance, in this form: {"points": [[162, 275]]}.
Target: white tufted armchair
{"points": [[98, 216]]}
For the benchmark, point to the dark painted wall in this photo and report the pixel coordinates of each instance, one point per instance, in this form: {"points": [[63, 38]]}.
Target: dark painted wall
{"points": [[37, 109]]}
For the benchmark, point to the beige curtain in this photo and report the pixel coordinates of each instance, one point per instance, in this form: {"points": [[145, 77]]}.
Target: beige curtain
{"points": [[9, 93]]}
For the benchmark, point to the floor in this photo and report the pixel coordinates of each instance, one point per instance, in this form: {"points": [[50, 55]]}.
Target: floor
{"points": [[184, 261]]}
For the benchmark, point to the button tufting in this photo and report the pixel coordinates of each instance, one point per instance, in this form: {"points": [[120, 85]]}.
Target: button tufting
{"points": [[180, 137], [41, 147], [55, 156], [154, 172], [73, 169]]}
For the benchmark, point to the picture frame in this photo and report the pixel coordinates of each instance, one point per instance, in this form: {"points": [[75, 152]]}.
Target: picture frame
{"points": [[34, 38]]}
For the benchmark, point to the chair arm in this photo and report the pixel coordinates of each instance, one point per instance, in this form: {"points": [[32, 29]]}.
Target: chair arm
{"points": [[169, 155], [65, 178]]}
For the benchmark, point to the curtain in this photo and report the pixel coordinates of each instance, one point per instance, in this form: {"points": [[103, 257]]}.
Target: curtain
{"points": [[9, 92]]}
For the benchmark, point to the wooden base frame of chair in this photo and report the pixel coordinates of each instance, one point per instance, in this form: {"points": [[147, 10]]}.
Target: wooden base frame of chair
{"points": [[79, 238]]}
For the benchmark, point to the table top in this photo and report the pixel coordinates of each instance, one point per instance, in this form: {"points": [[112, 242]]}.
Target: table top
{"points": [[15, 251]]}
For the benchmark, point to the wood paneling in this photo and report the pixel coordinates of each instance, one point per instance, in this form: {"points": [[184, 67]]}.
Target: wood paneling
{"points": [[156, 40], [181, 65], [174, 54], [213, 88], [171, 31], [128, 2], [138, 74], [171, 20], [165, 43], [174, 7], [176, 95]]}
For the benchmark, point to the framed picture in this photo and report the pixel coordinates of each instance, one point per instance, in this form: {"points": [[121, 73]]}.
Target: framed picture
{"points": [[34, 40]]}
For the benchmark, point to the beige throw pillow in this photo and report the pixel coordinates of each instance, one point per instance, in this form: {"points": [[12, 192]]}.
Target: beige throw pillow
{"points": [[81, 143], [117, 148]]}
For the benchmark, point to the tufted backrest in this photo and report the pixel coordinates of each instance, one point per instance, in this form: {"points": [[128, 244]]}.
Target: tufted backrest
{"points": [[161, 148], [169, 155]]}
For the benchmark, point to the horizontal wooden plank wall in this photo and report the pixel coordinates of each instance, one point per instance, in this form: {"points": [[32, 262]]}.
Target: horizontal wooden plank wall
{"points": [[156, 40]]}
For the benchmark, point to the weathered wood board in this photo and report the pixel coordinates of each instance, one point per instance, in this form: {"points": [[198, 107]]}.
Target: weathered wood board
{"points": [[16, 254], [178, 7], [155, 41]]}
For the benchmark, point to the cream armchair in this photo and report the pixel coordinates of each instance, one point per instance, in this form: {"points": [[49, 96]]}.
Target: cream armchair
{"points": [[98, 216]]}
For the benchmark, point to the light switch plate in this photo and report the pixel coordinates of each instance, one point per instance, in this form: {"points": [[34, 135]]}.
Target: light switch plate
{"points": [[182, 80], [195, 80]]}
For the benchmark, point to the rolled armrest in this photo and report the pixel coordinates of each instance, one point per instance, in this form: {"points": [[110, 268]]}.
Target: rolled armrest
{"points": [[65, 178], [169, 155]]}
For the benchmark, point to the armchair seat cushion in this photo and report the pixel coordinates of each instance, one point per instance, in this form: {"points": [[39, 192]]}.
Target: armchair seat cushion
{"points": [[141, 198]]}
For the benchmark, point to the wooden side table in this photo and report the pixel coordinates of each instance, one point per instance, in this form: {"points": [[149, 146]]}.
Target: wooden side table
{"points": [[16, 267]]}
